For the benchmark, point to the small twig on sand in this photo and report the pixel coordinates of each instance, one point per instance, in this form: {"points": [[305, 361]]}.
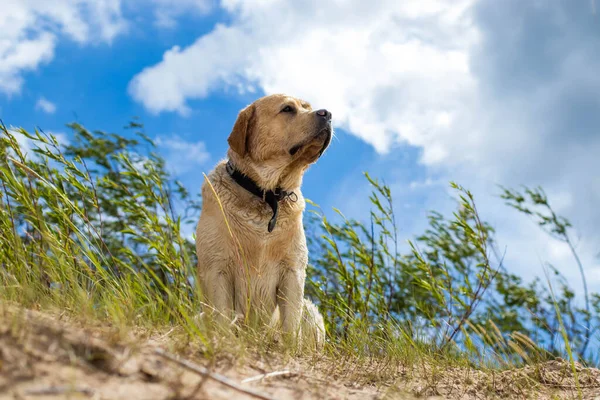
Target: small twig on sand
{"points": [[282, 374], [214, 376], [58, 390]]}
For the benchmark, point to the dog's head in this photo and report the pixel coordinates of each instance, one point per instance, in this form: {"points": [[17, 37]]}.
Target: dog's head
{"points": [[279, 136]]}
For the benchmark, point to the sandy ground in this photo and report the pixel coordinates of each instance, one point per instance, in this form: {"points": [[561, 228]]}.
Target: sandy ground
{"points": [[43, 358]]}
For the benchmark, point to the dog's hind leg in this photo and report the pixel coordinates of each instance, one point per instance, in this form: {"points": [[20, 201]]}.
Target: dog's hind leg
{"points": [[313, 327]]}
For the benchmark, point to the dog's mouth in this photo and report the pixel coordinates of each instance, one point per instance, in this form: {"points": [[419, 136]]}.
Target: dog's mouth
{"points": [[327, 132], [323, 133]]}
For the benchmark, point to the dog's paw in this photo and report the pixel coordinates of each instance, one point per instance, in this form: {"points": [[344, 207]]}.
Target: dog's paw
{"points": [[236, 324], [277, 338]]}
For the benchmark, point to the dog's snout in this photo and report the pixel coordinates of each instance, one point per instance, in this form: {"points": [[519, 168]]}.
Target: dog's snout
{"points": [[324, 114]]}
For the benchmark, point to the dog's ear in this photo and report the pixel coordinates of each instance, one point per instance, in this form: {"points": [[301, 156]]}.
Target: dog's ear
{"points": [[238, 138]]}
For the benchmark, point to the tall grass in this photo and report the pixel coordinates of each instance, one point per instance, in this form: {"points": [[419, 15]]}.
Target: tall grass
{"points": [[96, 227], [93, 233]]}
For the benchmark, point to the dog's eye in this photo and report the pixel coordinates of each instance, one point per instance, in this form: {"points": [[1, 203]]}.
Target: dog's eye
{"points": [[287, 109]]}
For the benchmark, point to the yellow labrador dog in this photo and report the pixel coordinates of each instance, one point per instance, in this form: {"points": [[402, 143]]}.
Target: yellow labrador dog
{"points": [[251, 246]]}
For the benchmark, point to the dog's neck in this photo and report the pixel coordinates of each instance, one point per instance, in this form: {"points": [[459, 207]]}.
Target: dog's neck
{"points": [[271, 197], [285, 177]]}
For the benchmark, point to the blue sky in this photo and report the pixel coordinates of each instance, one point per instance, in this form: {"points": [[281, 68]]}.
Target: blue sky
{"points": [[422, 92]]}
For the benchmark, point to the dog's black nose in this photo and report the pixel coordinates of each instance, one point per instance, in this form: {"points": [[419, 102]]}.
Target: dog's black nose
{"points": [[325, 114]]}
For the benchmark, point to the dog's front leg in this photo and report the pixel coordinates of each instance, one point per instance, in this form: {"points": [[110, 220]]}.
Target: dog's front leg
{"points": [[290, 296], [218, 293]]}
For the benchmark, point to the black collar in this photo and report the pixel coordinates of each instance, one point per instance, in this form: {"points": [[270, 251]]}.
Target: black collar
{"points": [[271, 197]]}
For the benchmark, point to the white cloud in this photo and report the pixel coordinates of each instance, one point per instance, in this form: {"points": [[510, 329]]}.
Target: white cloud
{"points": [[166, 12], [30, 30], [390, 71], [45, 105], [181, 155]]}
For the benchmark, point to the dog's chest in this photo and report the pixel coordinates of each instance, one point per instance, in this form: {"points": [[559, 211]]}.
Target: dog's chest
{"points": [[255, 217], [267, 251]]}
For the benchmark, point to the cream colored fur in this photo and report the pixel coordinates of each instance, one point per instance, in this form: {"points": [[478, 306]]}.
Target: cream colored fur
{"points": [[245, 271]]}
